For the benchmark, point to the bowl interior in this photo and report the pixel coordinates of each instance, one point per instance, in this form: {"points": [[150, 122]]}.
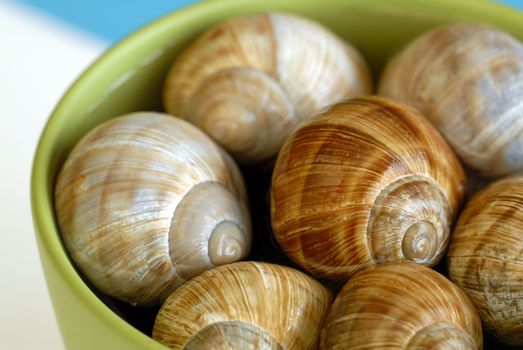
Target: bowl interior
{"points": [[129, 78]]}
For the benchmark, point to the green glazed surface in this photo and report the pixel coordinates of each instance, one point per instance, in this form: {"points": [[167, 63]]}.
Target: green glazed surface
{"points": [[128, 78]]}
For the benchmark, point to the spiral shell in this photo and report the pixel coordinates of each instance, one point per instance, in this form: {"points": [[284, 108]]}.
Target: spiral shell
{"points": [[367, 181], [468, 80], [401, 306], [485, 257], [245, 305], [249, 81], [146, 201]]}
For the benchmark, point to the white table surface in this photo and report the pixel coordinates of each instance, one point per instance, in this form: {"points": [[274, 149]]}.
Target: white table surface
{"points": [[39, 58]]}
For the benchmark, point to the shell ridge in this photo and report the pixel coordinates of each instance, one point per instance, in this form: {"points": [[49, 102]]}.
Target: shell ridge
{"points": [[197, 340]]}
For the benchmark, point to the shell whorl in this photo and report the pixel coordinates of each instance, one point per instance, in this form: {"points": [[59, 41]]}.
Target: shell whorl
{"points": [[244, 305], [405, 306], [243, 109], [485, 257], [227, 335], [367, 181], [442, 335], [468, 80], [137, 201], [221, 221], [418, 215], [251, 80]]}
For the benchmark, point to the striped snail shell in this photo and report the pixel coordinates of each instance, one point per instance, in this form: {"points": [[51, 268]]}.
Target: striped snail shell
{"points": [[146, 201], [468, 80], [485, 257], [401, 306], [367, 181], [245, 305], [249, 81]]}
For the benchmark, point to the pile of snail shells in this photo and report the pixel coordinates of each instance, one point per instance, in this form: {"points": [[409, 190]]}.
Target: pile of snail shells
{"points": [[365, 192], [467, 79], [130, 196]]}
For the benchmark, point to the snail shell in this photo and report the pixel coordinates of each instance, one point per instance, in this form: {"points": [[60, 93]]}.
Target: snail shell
{"points": [[468, 80], [245, 305], [401, 306], [249, 81], [368, 181], [485, 257], [146, 201]]}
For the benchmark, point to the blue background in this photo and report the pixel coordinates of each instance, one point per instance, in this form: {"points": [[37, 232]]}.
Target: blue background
{"points": [[112, 20], [109, 20]]}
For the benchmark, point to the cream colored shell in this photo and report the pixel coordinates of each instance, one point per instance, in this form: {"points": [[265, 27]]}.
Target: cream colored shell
{"points": [[249, 81], [468, 80], [367, 181], [245, 305], [401, 306], [485, 257], [146, 201]]}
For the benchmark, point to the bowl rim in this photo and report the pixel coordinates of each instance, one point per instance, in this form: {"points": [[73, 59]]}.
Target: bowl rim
{"points": [[43, 213]]}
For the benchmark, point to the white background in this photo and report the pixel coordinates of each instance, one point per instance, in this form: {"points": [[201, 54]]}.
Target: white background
{"points": [[38, 61]]}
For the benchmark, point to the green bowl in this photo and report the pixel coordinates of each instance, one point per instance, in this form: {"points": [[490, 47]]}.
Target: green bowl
{"points": [[128, 78]]}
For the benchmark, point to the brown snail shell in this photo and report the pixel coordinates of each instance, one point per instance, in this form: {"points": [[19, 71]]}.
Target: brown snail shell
{"points": [[401, 306], [367, 181], [248, 82], [146, 201], [468, 80], [485, 257], [245, 305]]}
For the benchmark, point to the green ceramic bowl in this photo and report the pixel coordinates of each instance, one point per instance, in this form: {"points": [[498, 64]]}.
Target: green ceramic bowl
{"points": [[128, 78]]}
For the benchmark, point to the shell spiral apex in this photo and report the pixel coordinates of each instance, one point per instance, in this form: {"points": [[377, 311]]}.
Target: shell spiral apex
{"points": [[367, 181], [146, 201], [251, 80]]}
